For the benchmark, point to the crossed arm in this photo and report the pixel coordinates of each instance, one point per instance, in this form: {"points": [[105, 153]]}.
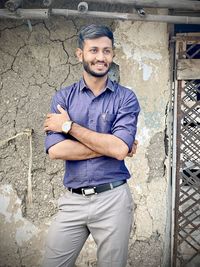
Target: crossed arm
{"points": [[90, 144], [71, 150]]}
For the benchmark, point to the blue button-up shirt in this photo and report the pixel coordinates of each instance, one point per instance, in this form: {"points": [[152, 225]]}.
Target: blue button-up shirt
{"points": [[114, 111]]}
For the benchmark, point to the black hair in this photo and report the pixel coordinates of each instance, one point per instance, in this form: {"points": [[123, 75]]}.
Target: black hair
{"points": [[94, 31]]}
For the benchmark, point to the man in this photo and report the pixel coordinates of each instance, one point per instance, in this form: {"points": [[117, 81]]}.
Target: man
{"points": [[92, 128]]}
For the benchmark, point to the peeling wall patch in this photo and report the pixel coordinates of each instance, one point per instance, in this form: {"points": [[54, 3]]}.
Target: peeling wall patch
{"points": [[25, 233], [4, 206], [147, 71], [18, 215], [153, 119], [6, 188], [143, 135]]}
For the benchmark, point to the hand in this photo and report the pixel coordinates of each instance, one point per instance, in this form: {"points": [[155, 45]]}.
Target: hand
{"points": [[55, 121], [134, 149]]}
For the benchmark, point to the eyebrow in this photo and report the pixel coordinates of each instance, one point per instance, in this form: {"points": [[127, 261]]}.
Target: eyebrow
{"points": [[107, 47]]}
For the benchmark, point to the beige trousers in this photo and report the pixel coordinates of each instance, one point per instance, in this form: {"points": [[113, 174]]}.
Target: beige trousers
{"points": [[106, 216]]}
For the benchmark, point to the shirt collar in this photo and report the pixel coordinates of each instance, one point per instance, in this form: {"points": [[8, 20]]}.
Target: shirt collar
{"points": [[109, 85]]}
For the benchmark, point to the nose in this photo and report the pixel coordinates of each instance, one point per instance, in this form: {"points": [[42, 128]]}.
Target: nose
{"points": [[100, 56]]}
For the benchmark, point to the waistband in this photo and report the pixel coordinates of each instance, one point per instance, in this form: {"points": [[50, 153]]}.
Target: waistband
{"points": [[87, 191]]}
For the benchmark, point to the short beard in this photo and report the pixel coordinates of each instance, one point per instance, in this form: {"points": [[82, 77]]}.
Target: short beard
{"points": [[92, 73]]}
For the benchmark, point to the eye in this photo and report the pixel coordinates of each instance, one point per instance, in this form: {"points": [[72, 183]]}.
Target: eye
{"points": [[107, 51], [93, 50]]}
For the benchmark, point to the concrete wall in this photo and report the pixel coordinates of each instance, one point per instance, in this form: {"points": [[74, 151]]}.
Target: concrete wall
{"points": [[33, 65]]}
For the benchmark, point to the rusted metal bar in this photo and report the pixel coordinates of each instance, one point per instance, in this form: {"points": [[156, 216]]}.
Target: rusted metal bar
{"points": [[170, 4], [128, 16], [25, 14], [185, 38], [178, 165]]}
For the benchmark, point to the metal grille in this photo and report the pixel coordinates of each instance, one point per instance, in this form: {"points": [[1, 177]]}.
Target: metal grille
{"points": [[187, 199]]}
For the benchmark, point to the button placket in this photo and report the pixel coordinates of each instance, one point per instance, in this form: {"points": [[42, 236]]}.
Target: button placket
{"points": [[92, 114]]}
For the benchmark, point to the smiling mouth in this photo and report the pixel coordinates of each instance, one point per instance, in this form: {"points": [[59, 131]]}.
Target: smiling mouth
{"points": [[100, 65]]}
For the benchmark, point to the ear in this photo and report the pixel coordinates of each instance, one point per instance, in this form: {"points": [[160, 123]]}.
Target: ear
{"points": [[79, 54]]}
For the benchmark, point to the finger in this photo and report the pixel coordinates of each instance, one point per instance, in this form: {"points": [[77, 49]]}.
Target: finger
{"points": [[46, 129], [134, 149], [46, 122], [62, 111], [136, 142]]}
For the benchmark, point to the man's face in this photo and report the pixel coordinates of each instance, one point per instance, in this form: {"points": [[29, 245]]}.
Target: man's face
{"points": [[96, 56]]}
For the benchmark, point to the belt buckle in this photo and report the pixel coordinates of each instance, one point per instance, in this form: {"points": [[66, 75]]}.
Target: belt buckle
{"points": [[88, 191]]}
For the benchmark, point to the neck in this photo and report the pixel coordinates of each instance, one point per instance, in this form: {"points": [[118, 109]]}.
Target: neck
{"points": [[96, 84]]}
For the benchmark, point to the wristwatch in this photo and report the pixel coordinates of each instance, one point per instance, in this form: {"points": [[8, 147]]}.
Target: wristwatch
{"points": [[66, 127]]}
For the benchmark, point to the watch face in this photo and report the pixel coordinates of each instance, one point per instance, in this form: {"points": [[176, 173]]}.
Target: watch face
{"points": [[66, 126]]}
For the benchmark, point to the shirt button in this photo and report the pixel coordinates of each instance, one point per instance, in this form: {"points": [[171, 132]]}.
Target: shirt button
{"points": [[91, 120]]}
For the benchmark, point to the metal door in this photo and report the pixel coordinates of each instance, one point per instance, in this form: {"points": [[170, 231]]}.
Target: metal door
{"points": [[186, 231]]}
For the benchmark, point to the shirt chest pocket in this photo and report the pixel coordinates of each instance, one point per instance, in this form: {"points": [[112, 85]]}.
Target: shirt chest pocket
{"points": [[105, 122]]}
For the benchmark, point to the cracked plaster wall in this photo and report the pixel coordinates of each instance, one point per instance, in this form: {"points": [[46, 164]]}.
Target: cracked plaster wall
{"points": [[33, 65]]}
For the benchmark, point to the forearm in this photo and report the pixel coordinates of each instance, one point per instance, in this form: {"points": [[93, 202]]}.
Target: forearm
{"points": [[71, 150], [104, 144]]}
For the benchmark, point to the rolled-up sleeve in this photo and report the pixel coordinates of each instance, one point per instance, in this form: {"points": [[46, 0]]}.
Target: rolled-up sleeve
{"points": [[125, 124], [53, 138]]}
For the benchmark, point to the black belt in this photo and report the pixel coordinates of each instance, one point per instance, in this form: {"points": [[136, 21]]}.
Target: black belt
{"points": [[87, 191]]}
